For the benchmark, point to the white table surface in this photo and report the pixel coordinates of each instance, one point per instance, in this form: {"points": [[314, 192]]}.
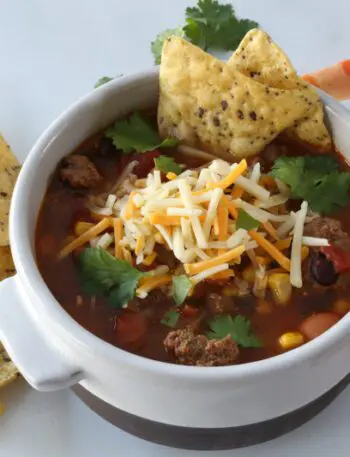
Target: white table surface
{"points": [[51, 53]]}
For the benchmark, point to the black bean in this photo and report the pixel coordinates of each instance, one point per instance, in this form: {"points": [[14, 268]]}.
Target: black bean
{"points": [[322, 269]]}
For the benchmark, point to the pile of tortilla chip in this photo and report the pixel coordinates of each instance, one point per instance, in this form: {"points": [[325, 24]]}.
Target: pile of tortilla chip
{"points": [[9, 169], [237, 108]]}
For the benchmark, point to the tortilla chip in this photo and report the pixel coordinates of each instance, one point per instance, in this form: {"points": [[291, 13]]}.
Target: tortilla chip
{"points": [[202, 100], [8, 371], [7, 267], [9, 169], [262, 60]]}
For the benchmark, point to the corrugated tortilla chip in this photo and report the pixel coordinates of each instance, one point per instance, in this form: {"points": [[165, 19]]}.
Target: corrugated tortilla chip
{"points": [[9, 169], [8, 370], [202, 100], [262, 60]]}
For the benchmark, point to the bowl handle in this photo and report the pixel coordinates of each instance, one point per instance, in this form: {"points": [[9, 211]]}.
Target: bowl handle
{"points": [[40, 364]]}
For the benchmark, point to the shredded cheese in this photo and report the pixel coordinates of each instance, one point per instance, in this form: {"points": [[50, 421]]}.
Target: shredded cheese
{"points": [[236, 171], [85, 238], [223, 258], [209, 272], [271, 249], [149, 283], [295, 270], [314, 241]]}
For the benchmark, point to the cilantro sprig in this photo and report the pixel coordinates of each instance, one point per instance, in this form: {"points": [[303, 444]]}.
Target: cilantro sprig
{"points": [[170, 318], [181, 287], [238, 328], [316, 179], [167, 164], [208, 25], [136, 134], [102, 274]]}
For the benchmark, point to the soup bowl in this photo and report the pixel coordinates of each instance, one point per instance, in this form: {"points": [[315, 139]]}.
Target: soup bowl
{"points": [[180, 406]]}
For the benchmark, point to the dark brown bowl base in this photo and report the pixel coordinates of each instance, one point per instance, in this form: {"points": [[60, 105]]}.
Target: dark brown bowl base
{"points": [[209, 439]]}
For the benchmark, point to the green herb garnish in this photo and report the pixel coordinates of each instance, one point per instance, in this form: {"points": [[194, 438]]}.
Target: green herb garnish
{"points": [[170, 318], [104, 275], [315, 179], [167, 164], [245, 221], [157, 44], [102, 81], [238, 328], [135, 134], [208, 25], [181, 288]]}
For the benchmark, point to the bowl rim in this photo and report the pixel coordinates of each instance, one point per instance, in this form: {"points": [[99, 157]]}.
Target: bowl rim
{"points": [[48, 307]]}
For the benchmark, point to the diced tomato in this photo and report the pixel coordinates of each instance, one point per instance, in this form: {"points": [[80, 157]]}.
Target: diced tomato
{"points": [[130, 327], [339, 257], [146, 163], [189, 311]]}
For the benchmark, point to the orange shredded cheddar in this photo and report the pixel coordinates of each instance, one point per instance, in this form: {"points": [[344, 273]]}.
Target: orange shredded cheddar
{"points": [[230, 206], [305, 251], [163, 219], [151, 282], [85, 237], [271, 249], [237, 192], [270, 230], [150, 259], [130, 207], [194, 268], [127, 256], [81, 227], [226, 274], [118, 235], [231, 177], [281, 245]]}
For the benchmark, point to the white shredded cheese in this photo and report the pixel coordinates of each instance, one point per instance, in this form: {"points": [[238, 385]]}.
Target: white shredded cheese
{"points": [[187, 232], [209, 272], [274, 200], [237, 238], [178, 244], [220, 167], [110, 201], [165, 235], [198, 232], [287, 226], [124, 174], [256, 173], [159, 271], [252, 188], [211, 213], [314, 241], [258, 213], [295, 268], [184, 212], [104, 241]]}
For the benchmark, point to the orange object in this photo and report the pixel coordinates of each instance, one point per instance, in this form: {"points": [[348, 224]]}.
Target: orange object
{"points": [[118, 235], [335, 80]]}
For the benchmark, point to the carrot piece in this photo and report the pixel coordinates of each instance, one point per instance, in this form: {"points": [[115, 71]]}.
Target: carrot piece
{"points": [[231, 177], [85, 237], [194, 268], [118, 235], [270, 230], [271, 249], [335, 79]]}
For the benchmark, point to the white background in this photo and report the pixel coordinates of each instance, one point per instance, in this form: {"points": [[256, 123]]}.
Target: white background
{"points": [[51, 53]]}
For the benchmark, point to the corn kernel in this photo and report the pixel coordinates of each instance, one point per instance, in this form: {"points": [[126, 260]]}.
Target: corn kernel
{"points": [[341, 306], [171, 176], [82, 227], [291, 340]]}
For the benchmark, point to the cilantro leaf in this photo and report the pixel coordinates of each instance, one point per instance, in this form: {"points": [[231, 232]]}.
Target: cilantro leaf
{"points": [[315, 179], [103, 80], [245, 221], [157, 44], [167, 164], [238, 328], [136, 134], [181, 288], [211, 25], [170, 318], [102, 274]]}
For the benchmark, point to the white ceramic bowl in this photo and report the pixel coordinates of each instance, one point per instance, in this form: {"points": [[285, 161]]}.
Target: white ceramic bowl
{"points": [[193, 407]]}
